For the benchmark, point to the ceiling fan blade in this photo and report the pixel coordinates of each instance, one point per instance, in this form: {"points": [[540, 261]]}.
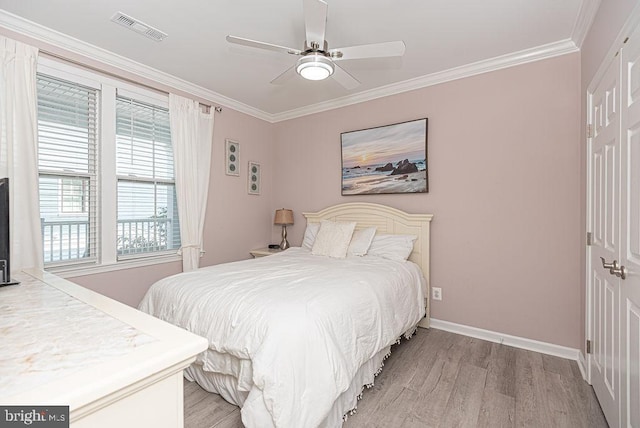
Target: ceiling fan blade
{"points": [[376, 50], [262, 45], [287, 75], [315, 21], [344, 78]]}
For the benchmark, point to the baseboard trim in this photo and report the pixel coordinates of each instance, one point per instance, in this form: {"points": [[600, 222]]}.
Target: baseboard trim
{"points": [[582, 365], [506, 339]]}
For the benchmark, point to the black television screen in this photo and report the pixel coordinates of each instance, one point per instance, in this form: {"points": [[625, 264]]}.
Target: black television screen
{"points": [[5, 256]]}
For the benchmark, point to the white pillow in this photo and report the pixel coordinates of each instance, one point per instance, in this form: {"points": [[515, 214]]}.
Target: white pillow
{"points": [[310, 235], [393, 247], [333, 239], [361, 241]]}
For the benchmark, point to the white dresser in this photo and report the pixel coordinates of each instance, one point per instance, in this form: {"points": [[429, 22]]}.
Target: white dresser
{"points": [[113, 365]]}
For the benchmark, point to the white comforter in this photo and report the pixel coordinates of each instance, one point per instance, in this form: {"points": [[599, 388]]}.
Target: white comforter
{"points": [[307, 323]]}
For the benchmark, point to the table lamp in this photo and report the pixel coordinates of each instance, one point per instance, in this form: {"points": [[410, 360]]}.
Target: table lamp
{"points": [[284, 217]]}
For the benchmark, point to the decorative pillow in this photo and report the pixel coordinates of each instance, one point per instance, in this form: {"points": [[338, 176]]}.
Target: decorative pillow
{"points": [[393, 247], [333, 239], [361, 241], [310, 235]]}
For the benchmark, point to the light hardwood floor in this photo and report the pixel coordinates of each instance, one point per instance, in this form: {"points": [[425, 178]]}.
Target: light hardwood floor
{"points": [[441, 379]]}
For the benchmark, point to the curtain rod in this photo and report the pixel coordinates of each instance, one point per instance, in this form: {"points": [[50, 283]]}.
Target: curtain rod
{"points": [[218, 109]]}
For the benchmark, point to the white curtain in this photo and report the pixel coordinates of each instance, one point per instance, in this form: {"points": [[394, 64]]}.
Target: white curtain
{"points": [[19, 150], [191, 137]]}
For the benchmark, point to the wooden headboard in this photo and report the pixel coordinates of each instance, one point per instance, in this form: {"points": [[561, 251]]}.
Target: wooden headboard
{"points": [[386, 220]]}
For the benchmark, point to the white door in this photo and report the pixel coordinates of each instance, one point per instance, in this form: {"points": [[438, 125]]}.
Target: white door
{"points": [[604, 161], [614, 219], [630, 234]]}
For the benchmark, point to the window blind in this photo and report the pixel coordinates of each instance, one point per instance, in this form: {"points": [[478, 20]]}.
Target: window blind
{"points": [[147, 208], [67, 165]]}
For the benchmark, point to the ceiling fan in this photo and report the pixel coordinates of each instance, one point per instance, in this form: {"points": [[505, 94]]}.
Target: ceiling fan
{"points": [[317, 61]]}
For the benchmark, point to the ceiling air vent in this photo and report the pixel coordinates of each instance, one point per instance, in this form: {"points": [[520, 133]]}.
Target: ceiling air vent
{"points": [[138, 26]]}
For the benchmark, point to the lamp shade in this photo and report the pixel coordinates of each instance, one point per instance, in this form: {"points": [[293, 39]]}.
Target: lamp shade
{"points": [[283, 216]]}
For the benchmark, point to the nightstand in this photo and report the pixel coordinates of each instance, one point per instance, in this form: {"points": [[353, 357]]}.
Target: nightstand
{"points": [[261, 252]]}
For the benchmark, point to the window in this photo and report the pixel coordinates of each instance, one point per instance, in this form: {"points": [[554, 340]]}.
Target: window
{"points": [[74, 195], [67, 132], [106, 177], [147, 210]]}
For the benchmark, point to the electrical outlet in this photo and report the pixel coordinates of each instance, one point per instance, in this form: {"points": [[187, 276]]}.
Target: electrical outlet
{"points": [[436, 293]]}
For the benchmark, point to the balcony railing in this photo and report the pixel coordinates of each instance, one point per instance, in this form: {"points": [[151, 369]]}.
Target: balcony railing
{"points": [[65, 240], [143, 235], [69, 239]]}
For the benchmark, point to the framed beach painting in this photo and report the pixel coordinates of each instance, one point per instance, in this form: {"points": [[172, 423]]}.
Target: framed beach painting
{"points": [[386, 159]]}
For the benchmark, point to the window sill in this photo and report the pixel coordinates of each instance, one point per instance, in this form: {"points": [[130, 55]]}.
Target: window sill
{"points": [[74, 271]]}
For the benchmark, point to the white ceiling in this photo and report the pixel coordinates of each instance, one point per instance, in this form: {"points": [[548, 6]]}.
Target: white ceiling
{"points": [[440, 35]]}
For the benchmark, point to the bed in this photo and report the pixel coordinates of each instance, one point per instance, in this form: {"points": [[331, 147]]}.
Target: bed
{"points": [[295, 337]]}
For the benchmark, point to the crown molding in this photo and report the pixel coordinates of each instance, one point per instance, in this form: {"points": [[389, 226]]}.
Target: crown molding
{"points": [[586, 15], [50, 37], [538, 53], [70, 44]]}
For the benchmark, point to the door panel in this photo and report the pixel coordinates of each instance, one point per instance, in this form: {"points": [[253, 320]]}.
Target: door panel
{"points": [[610, 175], [609, 342], [633, 195], [632, 379], [630, 234], [604, 342], [604, 157]]}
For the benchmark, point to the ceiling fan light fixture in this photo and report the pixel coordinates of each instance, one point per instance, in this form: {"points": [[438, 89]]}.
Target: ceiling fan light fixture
{"points": [[314, 67]]}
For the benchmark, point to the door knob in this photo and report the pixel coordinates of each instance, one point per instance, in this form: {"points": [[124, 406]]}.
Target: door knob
{"points": [[612, 265], [615, 268], [620, 272]]}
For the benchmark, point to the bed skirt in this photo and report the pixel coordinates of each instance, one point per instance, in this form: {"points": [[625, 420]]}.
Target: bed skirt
{"points": [[227, 387]]}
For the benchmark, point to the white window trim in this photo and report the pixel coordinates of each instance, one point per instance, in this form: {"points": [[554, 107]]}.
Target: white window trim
{"points": [[94, 79], [73, 271], [143, 95], [107, 189], [108, 194]]}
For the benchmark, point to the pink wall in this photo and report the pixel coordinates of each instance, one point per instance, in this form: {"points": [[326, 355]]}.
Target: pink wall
{"points": [[128, 285], [236, 221], [607, 24], [504, 178]]}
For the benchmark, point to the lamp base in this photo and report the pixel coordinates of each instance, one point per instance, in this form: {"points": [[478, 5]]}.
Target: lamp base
{"points": [[284, 244]]}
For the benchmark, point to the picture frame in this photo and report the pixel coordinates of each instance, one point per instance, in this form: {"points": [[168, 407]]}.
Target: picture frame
{"points": [[232, 156], [386, 159], [253, 178]]}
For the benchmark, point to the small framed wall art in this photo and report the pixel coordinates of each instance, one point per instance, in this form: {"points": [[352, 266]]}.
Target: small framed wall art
{"points": [[232, 157], [253, 178]]}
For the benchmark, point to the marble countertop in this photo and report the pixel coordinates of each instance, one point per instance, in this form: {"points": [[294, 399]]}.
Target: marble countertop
{"points": [[63, 344], [47, 334]]}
